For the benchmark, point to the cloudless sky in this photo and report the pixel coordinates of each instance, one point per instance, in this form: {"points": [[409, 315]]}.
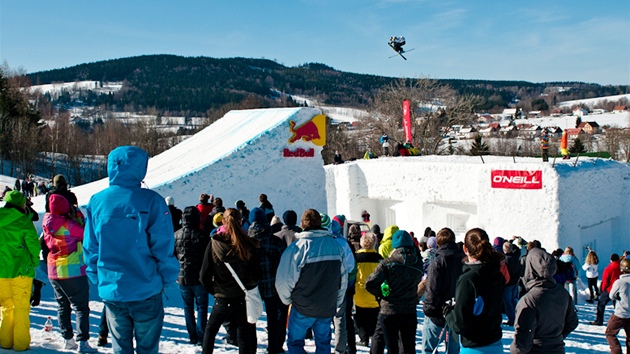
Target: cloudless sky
{"points": [[533, 40]]}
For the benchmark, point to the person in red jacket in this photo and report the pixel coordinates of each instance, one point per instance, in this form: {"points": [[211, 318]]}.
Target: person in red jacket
{"points": [[611, 273], [206, 203]]}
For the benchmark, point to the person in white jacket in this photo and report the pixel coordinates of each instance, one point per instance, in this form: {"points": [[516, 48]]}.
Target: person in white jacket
{"points": [[621, 318], [592, 274]]}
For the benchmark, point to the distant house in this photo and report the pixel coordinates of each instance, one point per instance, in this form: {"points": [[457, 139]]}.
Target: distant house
{"points": [[598, 111], [509, 112], [589, 127], [490, 130], [485, 118], [620, 109], [508, 130], [554, 132], [573, 133], [580, 112], [467, 132], [556, 112], [534, 114], [529, 130]]}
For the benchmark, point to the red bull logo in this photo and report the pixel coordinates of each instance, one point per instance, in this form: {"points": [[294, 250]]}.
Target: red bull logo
{"points": [[299, 153], [313, 131]]}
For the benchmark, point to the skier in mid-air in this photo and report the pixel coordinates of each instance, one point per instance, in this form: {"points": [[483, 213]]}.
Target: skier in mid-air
{"points": [[397, 43]]}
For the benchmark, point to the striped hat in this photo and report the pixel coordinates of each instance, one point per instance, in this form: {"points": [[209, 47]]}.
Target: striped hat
{"points": [[325, 220]]}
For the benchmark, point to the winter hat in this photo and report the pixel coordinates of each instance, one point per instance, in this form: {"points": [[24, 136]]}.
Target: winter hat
{"points": [[335, 228], [58, 204], [15, 198], [59, 181], [217, 219], [368, 240], [341, 219], [170, 200], [275, 220], [257, 215], [432, 242], [325, 220], [376, 229], [401, 238], [498, 244], [290, 218], [240, 204]]}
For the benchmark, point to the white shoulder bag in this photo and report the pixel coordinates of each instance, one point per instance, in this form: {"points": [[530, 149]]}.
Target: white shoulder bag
{"points": [[253, 300]]}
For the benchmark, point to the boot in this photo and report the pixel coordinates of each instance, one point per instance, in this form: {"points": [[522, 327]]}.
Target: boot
{"points": [[102, 341]]}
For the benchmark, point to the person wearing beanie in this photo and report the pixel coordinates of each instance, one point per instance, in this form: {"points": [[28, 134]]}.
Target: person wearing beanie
{"points": [[210, 222], [205, 207], [376, 229], [269, 253], [386, 244], [19, 257], [63, 234], [276, 224], [289, 229], [341, 219], [397, 319], [366, 305], [312, 277], [176, 214], [60, 186]]}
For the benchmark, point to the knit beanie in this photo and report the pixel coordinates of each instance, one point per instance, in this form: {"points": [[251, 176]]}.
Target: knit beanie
{"points": [[59, 181], [15, 198], [367, 240], [170, 200], [432, 242], [217, 220], [401, 238], [341, 219], [290, 218], [325, 220]]}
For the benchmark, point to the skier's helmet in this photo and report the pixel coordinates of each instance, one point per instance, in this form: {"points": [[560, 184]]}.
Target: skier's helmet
{"points": [[625, 265]]}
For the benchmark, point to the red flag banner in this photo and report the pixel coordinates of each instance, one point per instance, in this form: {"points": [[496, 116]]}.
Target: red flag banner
{"points": [[514, 179], [407, 121]]}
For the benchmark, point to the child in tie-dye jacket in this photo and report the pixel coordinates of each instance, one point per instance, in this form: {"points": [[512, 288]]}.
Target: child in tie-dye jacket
{"points": [[63, 234]]}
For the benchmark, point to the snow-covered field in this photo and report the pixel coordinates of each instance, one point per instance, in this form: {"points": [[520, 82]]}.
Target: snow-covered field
{"points": [[585, 339]]}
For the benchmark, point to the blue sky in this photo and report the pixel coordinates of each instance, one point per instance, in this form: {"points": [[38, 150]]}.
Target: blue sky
{"points": [[534, 40]]}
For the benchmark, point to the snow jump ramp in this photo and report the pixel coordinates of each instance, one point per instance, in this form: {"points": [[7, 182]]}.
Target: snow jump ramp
{"points": [[247, 152]]}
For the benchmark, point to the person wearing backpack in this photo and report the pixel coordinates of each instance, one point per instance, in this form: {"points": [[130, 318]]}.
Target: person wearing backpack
{"points": [[570, 285]]}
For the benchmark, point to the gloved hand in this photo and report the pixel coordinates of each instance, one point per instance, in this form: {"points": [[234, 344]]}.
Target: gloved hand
{"points": [[448, 307], [37, 292]]}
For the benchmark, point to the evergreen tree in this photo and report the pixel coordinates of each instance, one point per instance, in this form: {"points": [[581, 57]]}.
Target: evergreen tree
{"points": [[479, 147], [577, 147]]}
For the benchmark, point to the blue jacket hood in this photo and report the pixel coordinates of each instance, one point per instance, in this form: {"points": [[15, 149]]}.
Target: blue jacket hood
{"points": [[257, 215], [127, 166]]}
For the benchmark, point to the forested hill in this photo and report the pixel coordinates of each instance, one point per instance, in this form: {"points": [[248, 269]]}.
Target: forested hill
{"points": [[196, 85]]}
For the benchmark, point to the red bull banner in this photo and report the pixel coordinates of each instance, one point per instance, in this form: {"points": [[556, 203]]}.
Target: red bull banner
{"points": [[407, 121], [313, 131], [515, 179]]}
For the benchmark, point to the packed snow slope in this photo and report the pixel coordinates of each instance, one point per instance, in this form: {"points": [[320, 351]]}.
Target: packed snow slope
{"points": [[240, 156]]}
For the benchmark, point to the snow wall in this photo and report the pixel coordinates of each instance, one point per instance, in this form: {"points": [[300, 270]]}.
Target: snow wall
{"points": [[240, 156], [560, 205]]}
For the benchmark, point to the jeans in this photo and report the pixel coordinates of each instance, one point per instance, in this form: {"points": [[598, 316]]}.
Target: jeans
{"points": [[510, 299], [141, 320], [190, 295], [298, 324], [103, 330], [431, 337], [341, 333], [73, 293], [232, 308], [592, 287], [604, 298], [571, 287], [277, 314], [614, 325], [366, 322], [494, 348], [399, 327]]}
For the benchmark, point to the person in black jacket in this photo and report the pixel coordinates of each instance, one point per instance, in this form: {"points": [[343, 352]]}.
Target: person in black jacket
{"points": [[269, 254], [510, 294], [176, 214], [190, 245], [60, 186], [476, 312], [395, 281], [267, 207], [230, 245], [442, 276]]}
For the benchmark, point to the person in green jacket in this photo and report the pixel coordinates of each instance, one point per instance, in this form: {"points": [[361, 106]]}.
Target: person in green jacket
{"points": [[385, 248], [19, 256]]}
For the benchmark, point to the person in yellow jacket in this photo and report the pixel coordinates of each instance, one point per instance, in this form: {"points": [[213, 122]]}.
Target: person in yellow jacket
{"points": [[386, 244], [365, 303], [19, 256]]}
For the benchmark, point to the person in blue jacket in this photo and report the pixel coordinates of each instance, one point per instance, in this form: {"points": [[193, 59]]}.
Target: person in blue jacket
{"points": [[129, 252]]}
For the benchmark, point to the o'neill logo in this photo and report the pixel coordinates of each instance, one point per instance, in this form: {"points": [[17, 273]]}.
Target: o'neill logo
{"points": [[314, 131], [514, 179]]}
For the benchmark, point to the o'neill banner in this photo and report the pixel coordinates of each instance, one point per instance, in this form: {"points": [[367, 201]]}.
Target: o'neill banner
{"points": [[514, 179]]}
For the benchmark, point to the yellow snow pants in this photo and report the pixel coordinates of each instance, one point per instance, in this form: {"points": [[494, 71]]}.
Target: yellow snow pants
{"points": [[15, 305]]}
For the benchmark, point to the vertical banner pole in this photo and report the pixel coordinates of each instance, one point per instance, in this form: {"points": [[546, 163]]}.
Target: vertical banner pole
{"points": [[407, 120]]}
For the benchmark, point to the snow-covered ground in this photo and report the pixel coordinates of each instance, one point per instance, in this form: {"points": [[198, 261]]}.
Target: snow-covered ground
{"points": [[585, 339], [594, 101]]}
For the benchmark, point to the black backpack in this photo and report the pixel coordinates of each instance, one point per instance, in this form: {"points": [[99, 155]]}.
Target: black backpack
{"points": [[564, 272]]}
